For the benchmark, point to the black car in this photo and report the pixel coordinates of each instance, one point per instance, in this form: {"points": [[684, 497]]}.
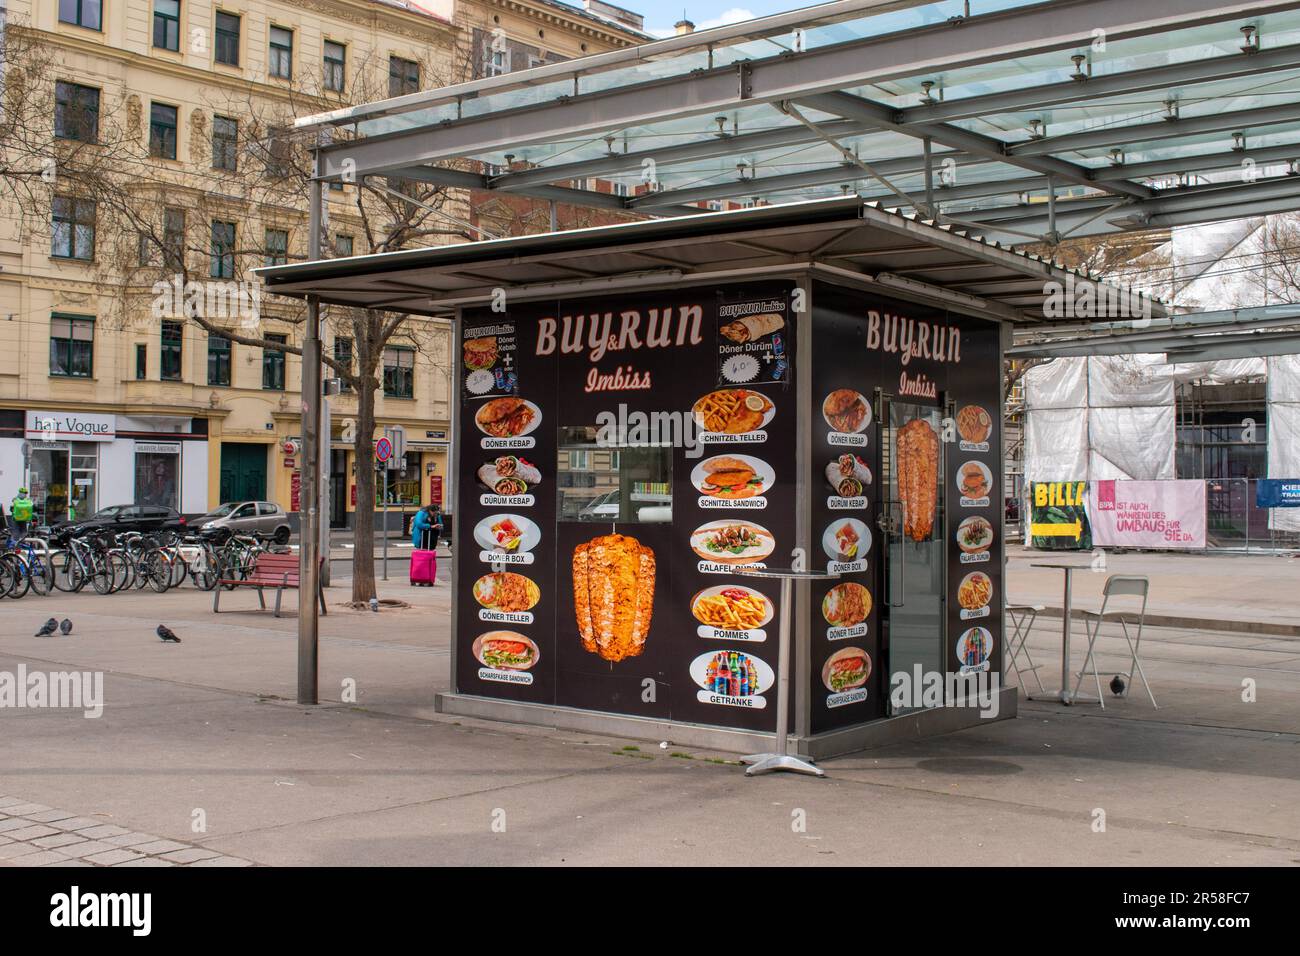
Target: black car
{"points": [[123, 518]]}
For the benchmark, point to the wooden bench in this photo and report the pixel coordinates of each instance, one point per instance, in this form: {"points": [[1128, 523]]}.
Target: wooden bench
{"points": [[270, 570]]}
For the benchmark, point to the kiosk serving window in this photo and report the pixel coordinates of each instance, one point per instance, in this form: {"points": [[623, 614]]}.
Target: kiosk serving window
{"points": [[600, 481]]}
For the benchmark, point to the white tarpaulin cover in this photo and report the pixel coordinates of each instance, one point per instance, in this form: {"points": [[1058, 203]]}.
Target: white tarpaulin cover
{"points": [[1284, 432], [1100, 417]]}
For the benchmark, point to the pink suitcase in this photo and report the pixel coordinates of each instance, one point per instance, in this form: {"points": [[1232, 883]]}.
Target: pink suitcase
{"points": [[424, 567]]}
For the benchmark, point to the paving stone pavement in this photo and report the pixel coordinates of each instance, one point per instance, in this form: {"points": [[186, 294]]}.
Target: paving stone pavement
{"points": [[32, 834]]}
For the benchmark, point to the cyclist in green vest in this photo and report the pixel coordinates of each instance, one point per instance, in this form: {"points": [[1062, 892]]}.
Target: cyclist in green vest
{"points": [[21, 510]]}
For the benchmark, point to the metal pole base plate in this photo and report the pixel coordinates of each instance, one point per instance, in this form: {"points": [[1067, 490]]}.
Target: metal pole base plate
{"points": [[771, 763]]}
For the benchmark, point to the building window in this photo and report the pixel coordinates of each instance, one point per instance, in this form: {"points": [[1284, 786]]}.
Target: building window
{"points": [[174, 238], [403, 76], [81, 13], [162, 131], [343, 355], [141, 362], [73, 228], [273, 363], [343, 245], [335, 59], [281, 59], [167, 24], [279, 153], [277, 247], [399, 372], [219, 350], [227, 45], [72, 345], [76, 112], [223, 250], [225, 143], [169, 355]]}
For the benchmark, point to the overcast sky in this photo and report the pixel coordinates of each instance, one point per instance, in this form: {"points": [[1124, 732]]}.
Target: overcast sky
{"points": [[659, 18]]}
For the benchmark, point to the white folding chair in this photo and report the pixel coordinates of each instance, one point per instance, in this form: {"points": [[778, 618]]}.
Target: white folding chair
{"points": [[1021, 617], [1117, 585]]}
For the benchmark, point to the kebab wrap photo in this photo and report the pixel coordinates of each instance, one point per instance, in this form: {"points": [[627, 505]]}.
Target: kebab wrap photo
{"points": [[752, 327], [509, 475]]}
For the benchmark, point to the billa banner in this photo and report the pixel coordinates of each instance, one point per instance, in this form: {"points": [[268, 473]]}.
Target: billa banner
{"points": [[1148, 514], [1058, 516], [1277, 493]]}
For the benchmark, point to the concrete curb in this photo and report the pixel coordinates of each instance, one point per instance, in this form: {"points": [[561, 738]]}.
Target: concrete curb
{"points": [[1205, 624]]}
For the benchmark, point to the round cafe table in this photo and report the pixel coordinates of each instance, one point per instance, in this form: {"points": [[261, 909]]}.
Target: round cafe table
{"points": [[781, 759], [1068, 567]]}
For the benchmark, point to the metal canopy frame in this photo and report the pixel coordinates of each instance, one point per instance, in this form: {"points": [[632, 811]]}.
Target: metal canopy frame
{"points": [[847, 239], [1197, 337], [1014, 119]]}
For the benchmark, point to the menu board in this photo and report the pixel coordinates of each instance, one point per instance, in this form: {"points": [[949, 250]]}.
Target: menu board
{"points": [[945, 368], [847, 680], [627, 456], [975, 579]]}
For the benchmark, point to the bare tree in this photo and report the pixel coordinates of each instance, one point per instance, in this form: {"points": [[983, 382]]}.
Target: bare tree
{"points": [[242, 193]]}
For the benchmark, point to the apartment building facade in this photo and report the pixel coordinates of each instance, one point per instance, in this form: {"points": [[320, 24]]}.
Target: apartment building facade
{"points": [[110, 392]]}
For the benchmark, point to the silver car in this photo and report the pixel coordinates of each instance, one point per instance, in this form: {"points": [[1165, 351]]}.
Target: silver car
{"points": [[245, 517]]}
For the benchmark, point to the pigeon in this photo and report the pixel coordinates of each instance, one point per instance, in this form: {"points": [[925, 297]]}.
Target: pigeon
{"points": [[166, 634], [48, 628], [1117, 685], [65, 626]]}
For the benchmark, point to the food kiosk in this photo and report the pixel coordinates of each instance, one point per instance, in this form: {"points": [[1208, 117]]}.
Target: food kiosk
{"points": [[645, 409]]}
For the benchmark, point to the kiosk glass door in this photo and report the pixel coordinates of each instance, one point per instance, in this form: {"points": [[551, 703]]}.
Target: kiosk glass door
{"points": [[912, 520]]}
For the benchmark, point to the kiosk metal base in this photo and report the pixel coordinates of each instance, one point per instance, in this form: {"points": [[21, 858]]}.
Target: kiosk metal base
{"points": [[771, 763], [879, 733]]}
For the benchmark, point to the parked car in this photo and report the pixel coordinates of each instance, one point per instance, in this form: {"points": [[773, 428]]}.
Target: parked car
{"points": [[602, 508], [245, 517], [123, 518]]}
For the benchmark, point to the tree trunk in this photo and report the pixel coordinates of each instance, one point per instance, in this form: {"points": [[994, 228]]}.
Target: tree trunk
{"points": [[363, 529]]}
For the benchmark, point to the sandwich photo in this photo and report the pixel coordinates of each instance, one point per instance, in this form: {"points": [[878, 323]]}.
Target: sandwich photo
{"points": [[846, 669], [507, 417], [731, 476], [752, 328], [480, 353], [846, 410], [974, 480], [613, 595], [505, 650]]}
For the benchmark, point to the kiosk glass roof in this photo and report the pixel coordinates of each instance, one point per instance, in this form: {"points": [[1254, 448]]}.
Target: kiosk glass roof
{"points": [[1153, 106]]}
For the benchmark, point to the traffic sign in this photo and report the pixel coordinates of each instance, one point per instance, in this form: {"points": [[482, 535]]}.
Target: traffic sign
{"points": [[383, 449]]}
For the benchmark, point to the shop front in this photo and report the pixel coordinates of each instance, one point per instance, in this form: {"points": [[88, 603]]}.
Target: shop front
{"points": [[74, 463], [625, 459], [815, 387]]}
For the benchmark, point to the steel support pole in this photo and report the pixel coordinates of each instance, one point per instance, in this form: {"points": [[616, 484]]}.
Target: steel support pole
{"points": [[309, 504]]}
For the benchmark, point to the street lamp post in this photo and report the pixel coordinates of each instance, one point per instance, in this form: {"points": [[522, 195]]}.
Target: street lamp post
{"points": [[309, 505]]}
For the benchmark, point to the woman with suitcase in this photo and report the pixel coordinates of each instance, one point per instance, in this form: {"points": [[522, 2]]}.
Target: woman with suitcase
{"points": [[424, 543]]}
